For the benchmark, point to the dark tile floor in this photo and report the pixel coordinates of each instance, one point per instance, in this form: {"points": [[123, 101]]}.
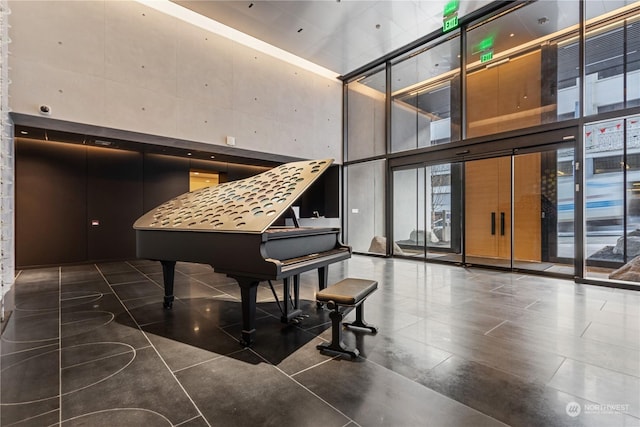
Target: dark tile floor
{"points": [[91, 346]]}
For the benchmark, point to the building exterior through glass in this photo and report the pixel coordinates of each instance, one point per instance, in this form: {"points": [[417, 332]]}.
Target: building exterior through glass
{"points": [[512, 141]]}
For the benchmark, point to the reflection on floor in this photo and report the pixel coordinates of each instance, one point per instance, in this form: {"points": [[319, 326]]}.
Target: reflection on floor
{"points": [[91, 345]]}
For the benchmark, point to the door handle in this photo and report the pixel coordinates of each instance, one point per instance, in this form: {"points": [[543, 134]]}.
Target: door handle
{"points": [[502, 223], [493, 223]]}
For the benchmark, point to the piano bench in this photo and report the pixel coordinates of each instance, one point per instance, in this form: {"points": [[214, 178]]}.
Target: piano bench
{"points": [[346, 293]]}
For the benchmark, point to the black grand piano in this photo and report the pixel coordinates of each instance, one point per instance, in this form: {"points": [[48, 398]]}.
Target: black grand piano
{"points": [[230, 227]]}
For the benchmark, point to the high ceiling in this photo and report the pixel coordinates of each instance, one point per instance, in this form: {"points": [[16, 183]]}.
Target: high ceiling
{"points": [[340, 35]]}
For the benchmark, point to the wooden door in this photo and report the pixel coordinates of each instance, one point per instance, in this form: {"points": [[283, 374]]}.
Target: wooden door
{"points": [[527, 215], [488, 208], [503, 217]]}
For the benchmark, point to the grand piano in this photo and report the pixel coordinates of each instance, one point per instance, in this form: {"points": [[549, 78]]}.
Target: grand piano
{"points": [[231, 227]]}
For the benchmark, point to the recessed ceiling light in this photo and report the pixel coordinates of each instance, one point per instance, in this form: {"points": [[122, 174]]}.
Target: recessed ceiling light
{"points": [[511, 35], [213, 157], [24, 132], [188, 154]]}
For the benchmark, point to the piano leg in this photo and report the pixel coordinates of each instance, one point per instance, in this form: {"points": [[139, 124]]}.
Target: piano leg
{"points": [[168, 273], [248, 292], [323, 273], [290, 311], [323, 276]]}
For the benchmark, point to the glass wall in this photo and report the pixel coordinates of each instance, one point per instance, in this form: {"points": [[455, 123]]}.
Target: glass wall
{"points": [[425, 96], [517, 77], [366, 116], [427, 211], [365, 206], [408, 212], [522, 68], [612, 195], [612, 64]]}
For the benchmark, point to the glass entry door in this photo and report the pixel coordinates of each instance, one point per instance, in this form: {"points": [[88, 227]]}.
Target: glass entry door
{"points": [[519, 211]]}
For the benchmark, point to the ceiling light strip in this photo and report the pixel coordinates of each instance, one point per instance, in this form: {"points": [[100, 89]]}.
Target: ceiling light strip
{"points": [[184, 14]]}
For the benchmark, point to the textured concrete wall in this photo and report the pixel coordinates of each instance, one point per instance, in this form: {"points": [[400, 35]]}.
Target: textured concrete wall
{"points": [[7, 259], [122, 65]]}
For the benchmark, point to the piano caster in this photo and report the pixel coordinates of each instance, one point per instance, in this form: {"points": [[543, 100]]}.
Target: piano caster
{"points": [[246, 339], [168, 302]]}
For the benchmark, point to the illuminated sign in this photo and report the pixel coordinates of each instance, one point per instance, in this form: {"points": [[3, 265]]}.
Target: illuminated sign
{"points": [[450, 15], [487, 56], [485, 44], [451, 8], [450, 24]]}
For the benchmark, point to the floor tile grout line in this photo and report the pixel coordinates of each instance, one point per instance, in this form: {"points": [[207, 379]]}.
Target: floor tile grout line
{"points": [[308, 389], [590, 400], [437, 392], [495, 327], [603, 305], [184, 274], [586, 329], [497, 287], [158, 354], [32, 417], [75, 322], [27, 349], [314, 366], [205, 361], [186, 421], [84, 296], [133, 350], [478, 361], [573, 358], [441, 362], [564, 359]]}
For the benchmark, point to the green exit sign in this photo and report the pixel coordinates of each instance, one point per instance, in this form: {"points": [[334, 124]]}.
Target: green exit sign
{"points": [[450, 24], [485, 57], [451, 7]]}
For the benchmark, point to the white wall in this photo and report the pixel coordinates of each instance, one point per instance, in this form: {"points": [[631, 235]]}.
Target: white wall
{"points": [[122, 65]]}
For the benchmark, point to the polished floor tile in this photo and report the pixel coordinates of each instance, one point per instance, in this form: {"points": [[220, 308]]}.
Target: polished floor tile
{"points": [[599, 385], [92, 345]]}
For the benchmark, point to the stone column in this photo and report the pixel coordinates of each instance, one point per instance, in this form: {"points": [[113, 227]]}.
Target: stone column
{"points": [[7, 253]]}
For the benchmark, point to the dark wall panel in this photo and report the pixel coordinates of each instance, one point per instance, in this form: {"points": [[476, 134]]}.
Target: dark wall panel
{"points": [[114, 202], [76, 203], [165, 177], [323, 196], [51, 203]]}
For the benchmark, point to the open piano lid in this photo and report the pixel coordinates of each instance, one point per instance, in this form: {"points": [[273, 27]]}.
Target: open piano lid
{"points": [[249, 205]]}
